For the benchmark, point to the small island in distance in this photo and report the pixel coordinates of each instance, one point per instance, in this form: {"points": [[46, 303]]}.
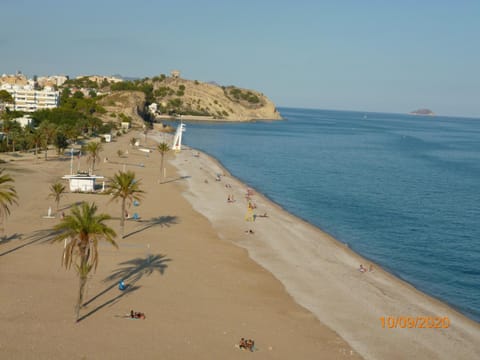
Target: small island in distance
{"points": [[422, 112]]}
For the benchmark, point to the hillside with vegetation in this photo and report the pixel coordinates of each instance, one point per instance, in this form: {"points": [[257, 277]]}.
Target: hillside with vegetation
{"points": [[186, 97], [90, 106]]}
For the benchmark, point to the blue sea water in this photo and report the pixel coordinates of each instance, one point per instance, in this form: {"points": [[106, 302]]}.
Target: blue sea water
{"points": [[402, 190]]}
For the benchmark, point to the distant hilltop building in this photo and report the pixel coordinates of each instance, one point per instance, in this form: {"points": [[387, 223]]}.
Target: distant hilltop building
{"points": [[17, 79], [51, 81], [175, 74], [99, 78]]}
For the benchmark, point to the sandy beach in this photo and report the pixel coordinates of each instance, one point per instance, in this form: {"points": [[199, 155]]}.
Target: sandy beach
{"points": [[201, 277], [323, 275]]}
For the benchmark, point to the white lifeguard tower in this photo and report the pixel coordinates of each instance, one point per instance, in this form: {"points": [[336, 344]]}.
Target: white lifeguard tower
{"points": [[177, 139]]}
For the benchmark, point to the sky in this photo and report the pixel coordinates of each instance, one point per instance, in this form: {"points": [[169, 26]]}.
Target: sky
{"points": [[366, 55]]}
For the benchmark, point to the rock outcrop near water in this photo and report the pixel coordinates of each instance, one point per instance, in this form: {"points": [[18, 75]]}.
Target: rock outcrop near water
{"points": [[188, 99], [211, 100], [423, 112]]}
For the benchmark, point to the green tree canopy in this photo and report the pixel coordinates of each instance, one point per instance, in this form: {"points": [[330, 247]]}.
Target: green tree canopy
{"points": [[124, 186], [81, 231]]}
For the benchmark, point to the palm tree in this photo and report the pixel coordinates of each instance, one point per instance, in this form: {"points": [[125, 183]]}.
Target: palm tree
{"points": [[56, 191], [81, 231], [36, 140], [163, 148], [93, 149], [8, 195], [124, 186], [48, 130]]}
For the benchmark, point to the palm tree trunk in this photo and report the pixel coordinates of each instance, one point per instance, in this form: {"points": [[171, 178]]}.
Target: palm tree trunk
{"points": [[122, 218], [81, 291], [161, 167]]}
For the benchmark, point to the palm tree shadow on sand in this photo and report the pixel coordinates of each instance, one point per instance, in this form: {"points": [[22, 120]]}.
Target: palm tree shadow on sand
{"points": [[156, 221], [39, 236], [131, 272]]}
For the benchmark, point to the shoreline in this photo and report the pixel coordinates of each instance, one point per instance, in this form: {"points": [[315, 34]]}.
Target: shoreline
{"points": [[336, 241], [290, 287], [380, 282], [200, 293]]}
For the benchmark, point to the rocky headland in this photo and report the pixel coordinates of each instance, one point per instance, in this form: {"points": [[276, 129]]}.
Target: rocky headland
{"points": [[174, 97]]}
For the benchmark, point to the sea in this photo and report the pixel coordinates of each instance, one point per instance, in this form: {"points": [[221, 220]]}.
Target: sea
{"points": [[401, 190]]}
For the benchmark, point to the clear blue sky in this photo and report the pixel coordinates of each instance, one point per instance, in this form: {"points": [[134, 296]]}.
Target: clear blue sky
{"points": [[390, 55]]}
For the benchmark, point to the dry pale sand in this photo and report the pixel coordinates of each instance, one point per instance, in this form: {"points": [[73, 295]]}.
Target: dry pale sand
{"points": [[322, 274], [201, 292]]}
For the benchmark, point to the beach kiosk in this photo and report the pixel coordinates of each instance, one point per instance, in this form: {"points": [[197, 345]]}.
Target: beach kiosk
{"points": [[82, 182]]}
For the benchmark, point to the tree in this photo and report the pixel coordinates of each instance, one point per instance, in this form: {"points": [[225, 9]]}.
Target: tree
{"points": [[8, 195], [163, 148], [93, 150], [48, 130], [6, 97], [15, 133], [60, 140], [81, 231], [56, 191], [35, 139], [124, 186]]}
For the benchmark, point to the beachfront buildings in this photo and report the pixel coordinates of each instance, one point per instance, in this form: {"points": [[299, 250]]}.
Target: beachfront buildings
{"points": [[30, 100], [26, 97]]}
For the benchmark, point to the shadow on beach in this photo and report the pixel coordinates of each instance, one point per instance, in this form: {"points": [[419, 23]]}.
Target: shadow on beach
{"points": [[176, 179], [156, 221], [126, 163], [130, 271], [40, 236]]}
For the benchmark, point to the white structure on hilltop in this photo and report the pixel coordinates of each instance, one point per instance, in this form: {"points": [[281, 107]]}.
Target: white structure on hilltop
{"points": [[26, 98], [177, 139]]}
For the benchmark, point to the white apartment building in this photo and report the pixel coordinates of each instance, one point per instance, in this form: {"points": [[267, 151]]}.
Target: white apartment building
{"points": [[25, 98]]}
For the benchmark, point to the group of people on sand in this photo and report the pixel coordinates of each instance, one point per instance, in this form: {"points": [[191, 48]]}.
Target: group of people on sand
{"points": [[246, 344], [363, 269], [137, 315]]}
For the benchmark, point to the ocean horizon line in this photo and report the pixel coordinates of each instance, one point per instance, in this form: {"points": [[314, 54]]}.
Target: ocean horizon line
{"points": [[466, 117]]}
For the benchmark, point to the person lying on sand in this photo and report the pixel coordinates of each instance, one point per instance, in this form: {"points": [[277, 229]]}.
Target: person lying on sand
{"points": [[246, 344], [362, 269], [137, 315], [250, 231]]}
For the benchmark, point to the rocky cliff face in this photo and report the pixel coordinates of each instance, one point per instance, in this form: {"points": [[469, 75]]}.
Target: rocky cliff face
{"points": [[124, 106], [193, 99], [204, 99]]}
